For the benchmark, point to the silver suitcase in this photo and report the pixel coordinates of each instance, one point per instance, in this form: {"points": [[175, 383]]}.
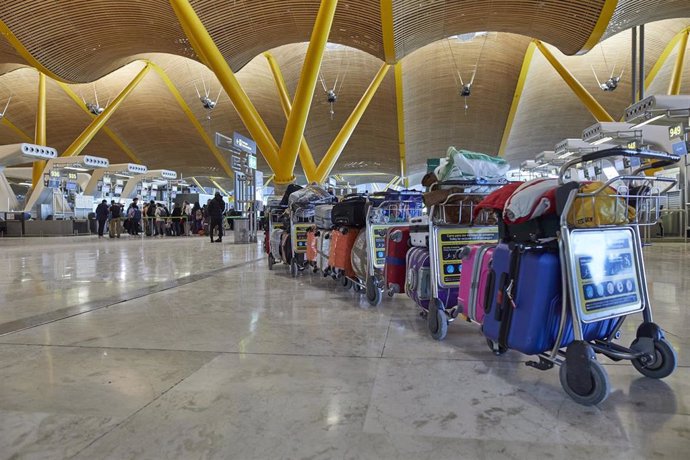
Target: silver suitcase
{"points": [[322, 218]]}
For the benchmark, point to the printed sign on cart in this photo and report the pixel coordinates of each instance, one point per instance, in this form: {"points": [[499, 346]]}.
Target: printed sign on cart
{"points": [[606, 273], [377, 241], [300, 237], [450, 241]]}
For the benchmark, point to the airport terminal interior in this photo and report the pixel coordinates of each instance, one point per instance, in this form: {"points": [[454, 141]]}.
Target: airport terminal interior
{"points": [[344, 229]]}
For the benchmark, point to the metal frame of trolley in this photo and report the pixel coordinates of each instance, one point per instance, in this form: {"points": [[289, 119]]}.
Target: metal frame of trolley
{"points": [[388, 214], [613, 254], [299, 226], [274, 222], [446, 240]]}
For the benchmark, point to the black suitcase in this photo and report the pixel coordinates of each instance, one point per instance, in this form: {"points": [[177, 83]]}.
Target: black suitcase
{"points": [[351, 212]]}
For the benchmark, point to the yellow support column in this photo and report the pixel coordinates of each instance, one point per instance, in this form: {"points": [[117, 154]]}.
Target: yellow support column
{"points": [[17, 130], [294, 130], [305, 156], [526, 62], [348, 128], [677, 75], [580, 91], [97, 123], [40, 133], [401, 123], [207, 50]]}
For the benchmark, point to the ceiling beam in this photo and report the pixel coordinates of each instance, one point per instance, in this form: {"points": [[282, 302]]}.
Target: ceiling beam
{"points": [[607, 10], [679, 65], [401, 122], [388, 31]]}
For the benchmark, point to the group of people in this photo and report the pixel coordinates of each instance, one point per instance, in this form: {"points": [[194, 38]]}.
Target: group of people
{"points": [[154, 219]]}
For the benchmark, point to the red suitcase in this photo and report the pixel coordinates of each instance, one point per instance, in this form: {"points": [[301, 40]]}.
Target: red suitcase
{"points": [[312, 241], [397, 245], [474, 280]]}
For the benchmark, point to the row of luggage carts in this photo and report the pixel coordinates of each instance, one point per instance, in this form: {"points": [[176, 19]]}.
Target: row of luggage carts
{"points": [[556, 287]]}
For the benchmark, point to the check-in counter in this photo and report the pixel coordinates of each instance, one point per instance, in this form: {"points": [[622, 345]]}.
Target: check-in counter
{"points": [[48, 228]]}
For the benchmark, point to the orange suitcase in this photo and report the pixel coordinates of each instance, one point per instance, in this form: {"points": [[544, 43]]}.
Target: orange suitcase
{"points": [[312, 241], [341, 249]]}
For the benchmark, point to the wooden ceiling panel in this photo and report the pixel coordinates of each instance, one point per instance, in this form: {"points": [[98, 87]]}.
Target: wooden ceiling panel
{"points": [[435, 114], [631, 13]]}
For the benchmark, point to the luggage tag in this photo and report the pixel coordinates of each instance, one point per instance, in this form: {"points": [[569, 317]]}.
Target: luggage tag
{"points": [[509, 293]]}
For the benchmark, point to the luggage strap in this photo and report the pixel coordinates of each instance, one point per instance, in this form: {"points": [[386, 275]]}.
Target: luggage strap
{"points": [[506, 295]]}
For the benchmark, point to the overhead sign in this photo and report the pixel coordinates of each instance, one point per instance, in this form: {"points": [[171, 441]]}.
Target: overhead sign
{"points": [[675, 131], [244, 143]]}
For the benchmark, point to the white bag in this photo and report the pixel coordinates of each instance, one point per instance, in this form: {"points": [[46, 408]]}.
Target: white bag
{"points": [[466, 165]]}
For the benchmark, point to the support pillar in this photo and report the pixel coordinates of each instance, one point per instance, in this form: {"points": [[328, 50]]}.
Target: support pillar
{"points": [[679, 66], [40, 133]]}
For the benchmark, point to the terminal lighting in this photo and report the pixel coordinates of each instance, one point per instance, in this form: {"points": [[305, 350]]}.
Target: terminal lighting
{"points": [[76, 168], [566, 155], [651, 120], [25, 184], [603, 140]]}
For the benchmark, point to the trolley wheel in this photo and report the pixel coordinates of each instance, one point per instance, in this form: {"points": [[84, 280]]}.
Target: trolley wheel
{"points": [[599, 389], [346, 282], [357, 287], [390, 293], [293, 268], [437, 320], [662, 365], [271, 261], [374, 294], [495, 347]]}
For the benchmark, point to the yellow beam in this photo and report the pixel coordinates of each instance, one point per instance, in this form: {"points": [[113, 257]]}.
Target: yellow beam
{"points": [[217, 185], [40, 131], [348, 128], [269, 180], [526, 63], [600, 27], [16, 129], [580, 91], [663, 57], [294, 130], [387, 31], [305, 156], [677, 74], [401, 120], [98, 122], [394, 181], [203, 190], [193, 120], [204, 46]]}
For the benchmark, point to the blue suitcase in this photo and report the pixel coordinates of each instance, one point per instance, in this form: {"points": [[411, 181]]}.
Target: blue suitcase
{"points": [[531, 324]]}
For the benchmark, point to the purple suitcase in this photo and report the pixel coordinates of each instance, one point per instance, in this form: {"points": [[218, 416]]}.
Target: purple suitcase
{"points": [[418, 280]]}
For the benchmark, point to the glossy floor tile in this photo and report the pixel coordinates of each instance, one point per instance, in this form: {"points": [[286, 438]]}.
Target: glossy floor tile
{"points": [[217, 357]]}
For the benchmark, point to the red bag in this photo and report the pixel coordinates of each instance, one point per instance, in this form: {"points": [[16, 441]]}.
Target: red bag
{"points": [[397, 245], [312, 249]]}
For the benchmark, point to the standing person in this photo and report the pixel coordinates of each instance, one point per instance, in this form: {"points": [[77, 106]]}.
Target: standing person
{"points": [[102, 216], [115, 217], [150, 214], [215, 210], [159, 214], [134, 216], [187, 214], [197, 216], [177, 220]]}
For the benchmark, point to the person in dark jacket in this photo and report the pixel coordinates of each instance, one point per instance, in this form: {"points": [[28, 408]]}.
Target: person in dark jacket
{"points": [[177, 224], [151, 228], [115, 218], [216, 208], [102, 212]]}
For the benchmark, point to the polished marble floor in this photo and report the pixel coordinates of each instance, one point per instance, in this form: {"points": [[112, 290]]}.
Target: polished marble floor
{"points": [[181, 349]]}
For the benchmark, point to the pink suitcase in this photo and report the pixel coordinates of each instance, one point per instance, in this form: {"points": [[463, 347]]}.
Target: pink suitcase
{"points": [[476, 263]]}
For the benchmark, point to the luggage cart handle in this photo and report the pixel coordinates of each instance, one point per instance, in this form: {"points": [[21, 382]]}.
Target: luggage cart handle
{"points": [[653, 165], [671, 158]]}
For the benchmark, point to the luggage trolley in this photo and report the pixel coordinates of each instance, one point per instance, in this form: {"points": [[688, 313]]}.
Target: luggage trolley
{"points": [[603, 278], [274, 223], [447, 237], [390, 213], [299, 226]]}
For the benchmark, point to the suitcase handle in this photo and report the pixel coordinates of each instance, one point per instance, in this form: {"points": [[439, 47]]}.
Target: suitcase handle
{"points": [[489, 292]]}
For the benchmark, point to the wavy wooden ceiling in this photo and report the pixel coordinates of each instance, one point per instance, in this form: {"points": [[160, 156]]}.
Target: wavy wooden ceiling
{"points": [[84, 40]]}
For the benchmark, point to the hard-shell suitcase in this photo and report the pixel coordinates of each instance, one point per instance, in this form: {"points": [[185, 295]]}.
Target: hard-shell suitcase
{"points": [[475, 278], [359, 256], [418, 281], [276, 241], [419, 232], [339, 257], [350, 212], [312, 242], [530, 322], [323, 249], [322, 216], [286, 248], [397, 245]]}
